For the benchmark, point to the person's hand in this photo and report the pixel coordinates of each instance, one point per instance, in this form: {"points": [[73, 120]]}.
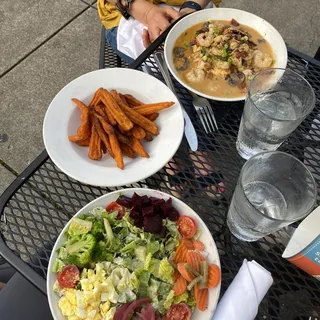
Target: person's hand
{"points": [[185, 11], [157, 20]]}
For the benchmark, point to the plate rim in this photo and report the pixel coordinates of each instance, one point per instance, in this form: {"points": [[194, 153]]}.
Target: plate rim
{"points": [[214, 98], [105, 182], [142, 190]]}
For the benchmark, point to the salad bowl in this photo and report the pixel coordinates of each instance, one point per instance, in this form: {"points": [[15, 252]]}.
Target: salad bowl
{"points": [[205, 237]]}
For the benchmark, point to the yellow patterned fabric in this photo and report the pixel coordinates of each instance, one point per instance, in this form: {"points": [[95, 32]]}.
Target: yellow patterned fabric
{"points": [[110, 16]]}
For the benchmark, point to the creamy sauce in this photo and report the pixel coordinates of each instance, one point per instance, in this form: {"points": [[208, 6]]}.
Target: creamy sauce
{"points": [[217, 85]]}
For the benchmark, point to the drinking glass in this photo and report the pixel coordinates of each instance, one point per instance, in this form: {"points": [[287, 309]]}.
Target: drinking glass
{"points": [[274, 190], [278, 100]]}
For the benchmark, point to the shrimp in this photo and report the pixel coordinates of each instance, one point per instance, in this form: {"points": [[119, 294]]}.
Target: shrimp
{"points": [[204, 65], [204, 39], [216, 27], [222, 65], [234, 44], [261, 60], [248, 73], [195, 48], [196, 75], [243, 48], [221, 38], [216, 51], [237, 62]]}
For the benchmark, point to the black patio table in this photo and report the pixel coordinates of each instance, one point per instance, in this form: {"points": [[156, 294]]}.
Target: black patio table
{"points": [[38, 204]]}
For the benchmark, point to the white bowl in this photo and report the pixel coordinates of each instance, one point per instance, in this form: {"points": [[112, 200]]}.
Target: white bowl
{"points": [[243, 17], [182, 208]]}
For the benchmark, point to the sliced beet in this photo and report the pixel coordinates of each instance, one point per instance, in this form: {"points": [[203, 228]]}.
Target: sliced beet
{"points": [[125, 201], [134, 213], [145, 201], [166, 209], [156, 202], [152, 224], [173, 215], [136, 201], [148, 211], [138, 222]]}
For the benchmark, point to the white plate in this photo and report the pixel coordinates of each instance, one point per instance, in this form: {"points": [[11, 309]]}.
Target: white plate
{"points": [[243, 17], [63, 118], [183, 209]]}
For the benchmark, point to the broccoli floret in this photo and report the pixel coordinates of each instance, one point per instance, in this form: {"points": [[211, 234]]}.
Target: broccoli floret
{"points": [[101, 253], [98, 229], [80, 249]]}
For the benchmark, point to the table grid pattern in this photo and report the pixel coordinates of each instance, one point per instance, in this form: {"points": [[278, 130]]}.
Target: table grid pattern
{"points": [[35, 214]]}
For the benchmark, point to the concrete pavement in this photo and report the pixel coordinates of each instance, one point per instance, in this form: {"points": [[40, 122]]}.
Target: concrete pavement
{"points": [[45, 44]]}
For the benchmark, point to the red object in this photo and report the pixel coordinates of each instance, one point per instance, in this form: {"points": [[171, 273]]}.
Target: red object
{"points": [[127, 314], [147, 313], [114, 206], [69, 276], [179, 311], [186, 227], [119, 313]]}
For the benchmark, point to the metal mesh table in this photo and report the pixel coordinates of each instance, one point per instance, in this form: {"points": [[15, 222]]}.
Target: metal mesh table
{"points": [[42, 199]]}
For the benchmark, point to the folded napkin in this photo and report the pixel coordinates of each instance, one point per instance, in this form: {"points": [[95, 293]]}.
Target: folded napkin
{"points": [[241, 300]]}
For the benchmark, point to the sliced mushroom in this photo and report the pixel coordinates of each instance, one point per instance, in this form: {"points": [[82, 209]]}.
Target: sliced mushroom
{"points": [[179, 52], [235, 79], [181, 64], [235, 23]]}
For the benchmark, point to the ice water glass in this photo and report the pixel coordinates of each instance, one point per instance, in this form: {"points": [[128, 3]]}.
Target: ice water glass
{"points": [[274, 190], [278, 100]]}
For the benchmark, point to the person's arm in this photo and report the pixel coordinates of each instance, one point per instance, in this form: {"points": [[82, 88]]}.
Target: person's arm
{"points": [[202, 3]]}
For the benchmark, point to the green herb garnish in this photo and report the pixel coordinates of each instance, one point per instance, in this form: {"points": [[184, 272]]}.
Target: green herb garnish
{"points": [[224, 53]]}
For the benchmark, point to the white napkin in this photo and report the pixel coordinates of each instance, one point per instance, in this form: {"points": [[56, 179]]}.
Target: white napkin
{"points": [[129, 35], [241, 300]]}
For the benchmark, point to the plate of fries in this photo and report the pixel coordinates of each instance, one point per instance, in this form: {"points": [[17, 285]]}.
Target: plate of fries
{"points": [[113, 127]]}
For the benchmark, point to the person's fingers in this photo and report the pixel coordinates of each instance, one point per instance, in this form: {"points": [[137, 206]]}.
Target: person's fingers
{"points": [[154, 33], [163, 23], [146, 38], [172, 13]]}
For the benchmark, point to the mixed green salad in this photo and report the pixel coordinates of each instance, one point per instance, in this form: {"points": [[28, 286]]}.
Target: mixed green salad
{"points": [[108, 268]]}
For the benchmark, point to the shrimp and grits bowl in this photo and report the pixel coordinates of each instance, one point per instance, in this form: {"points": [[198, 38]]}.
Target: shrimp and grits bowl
{"points": [[216, 52]]}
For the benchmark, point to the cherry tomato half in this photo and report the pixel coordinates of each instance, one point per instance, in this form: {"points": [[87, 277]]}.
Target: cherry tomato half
{"points": [[69, 276], [179, 311], [114, 206], [186, 227]]}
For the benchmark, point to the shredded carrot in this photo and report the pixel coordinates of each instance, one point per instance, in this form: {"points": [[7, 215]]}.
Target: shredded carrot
{"points": [[193, 259], [184, 272], [198, 245], [214, 276], [188, 243], [180, 255], [202, 297], [180, 286], [175, 276]]}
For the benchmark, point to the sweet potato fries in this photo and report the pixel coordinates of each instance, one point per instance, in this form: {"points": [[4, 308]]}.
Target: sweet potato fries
{"points": [[116, 124]]}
